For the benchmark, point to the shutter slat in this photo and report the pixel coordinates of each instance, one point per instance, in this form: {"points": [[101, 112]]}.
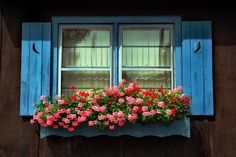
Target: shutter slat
{"points": [[35, 64], [197, 65], [46, 59], [186, 48], [24, 91], [35, 73], [208, 77], [197, 69]]}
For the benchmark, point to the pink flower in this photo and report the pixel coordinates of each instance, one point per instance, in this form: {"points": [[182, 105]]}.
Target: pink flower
{"points": [[161, 104], [135, 109], [62, 102], [102, 109], [75, 123], [158, 111], [139, 101], [182, 96], [56, 115], [71, 116], [81, 119], [80, 104], [71, 129], [130, 100], [169, 112], [123, 81], [42, 97], [49, 122], [111, 118], [121, 100], [66, 120], [102, 117], [55, 126], [92, 123], [57, 97], [46, 110], [31, 121], [106, 123], [144, 108], [45, 102], [121, 123], [120, 114], [111, 127]]}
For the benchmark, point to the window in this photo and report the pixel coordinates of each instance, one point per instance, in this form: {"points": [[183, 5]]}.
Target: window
{"points": [[86, 55], [93, 52]]}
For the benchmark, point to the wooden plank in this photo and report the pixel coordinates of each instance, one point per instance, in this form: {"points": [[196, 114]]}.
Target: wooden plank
{"points": [[197, 67], [208, 73], [25, 63], [35, 68], [46, 59], [186, 49]]}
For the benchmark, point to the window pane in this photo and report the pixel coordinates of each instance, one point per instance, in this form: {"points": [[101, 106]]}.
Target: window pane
{"points": [[86, 46], [86, 57], [86, 37], [84, 80], [146, 36], [149, 79], [146, 46], [146, 56]]}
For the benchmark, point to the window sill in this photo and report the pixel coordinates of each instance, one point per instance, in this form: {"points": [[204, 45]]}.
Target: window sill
{"points": [[181, 127]]}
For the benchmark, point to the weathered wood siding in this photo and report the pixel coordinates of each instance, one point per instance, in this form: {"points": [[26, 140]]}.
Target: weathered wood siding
{"points": [[210, 137]]}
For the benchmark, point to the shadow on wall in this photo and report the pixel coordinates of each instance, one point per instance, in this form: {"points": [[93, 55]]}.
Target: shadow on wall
{"points": [[104, 146]]}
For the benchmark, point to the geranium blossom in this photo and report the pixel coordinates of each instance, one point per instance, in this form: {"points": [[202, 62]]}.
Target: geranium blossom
{"points": [[112, 107]]}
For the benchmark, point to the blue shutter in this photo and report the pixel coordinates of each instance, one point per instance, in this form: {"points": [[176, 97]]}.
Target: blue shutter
{"points": [[35, 65], [197, 65]]}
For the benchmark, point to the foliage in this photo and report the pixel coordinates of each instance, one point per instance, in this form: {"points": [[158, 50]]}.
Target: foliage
{"points": [[112, 107]]}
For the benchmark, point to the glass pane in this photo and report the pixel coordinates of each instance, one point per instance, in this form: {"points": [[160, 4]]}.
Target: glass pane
{"points": [[146, 36], [149, 79], [86, 46], [86, 36], [146, 56], [72, 57], [84, 80]]}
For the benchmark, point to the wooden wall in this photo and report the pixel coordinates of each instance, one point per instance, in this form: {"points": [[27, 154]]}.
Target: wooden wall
{"points": [[210, 136]]}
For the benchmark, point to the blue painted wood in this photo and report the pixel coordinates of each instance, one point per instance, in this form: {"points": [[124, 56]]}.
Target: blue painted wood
{"points": [[116, 56], [54, 64], [35, 69], [35, 73], [197, 66], [178, 55], [116, 19], [186, 49], [24, 90], [208, 73], [46, 59], [181, 127], [56, 21]]}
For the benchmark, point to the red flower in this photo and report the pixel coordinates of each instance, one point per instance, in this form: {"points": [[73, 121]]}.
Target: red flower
{"points": [[173, 110], [73, 87], [73, 98]]}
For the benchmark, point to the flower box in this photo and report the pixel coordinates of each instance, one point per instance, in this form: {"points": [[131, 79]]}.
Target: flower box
{"points": [[125, 109]]}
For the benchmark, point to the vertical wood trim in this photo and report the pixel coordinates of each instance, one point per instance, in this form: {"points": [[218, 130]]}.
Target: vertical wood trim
{"points": [[25, 63], [35, 68], [178, 55], [208, 73], [186, 50], [54, 68], [46, 59], [197, 67]]}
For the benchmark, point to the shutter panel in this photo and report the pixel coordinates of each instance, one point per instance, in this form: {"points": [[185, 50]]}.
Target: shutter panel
{"points": [[35, 65], [197, 65]]}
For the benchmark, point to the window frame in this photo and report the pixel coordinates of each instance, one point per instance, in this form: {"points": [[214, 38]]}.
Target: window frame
{"points": [[116, 21]]}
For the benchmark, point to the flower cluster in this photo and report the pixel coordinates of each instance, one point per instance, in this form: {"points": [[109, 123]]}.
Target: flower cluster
{"points": [[112, 107]]}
